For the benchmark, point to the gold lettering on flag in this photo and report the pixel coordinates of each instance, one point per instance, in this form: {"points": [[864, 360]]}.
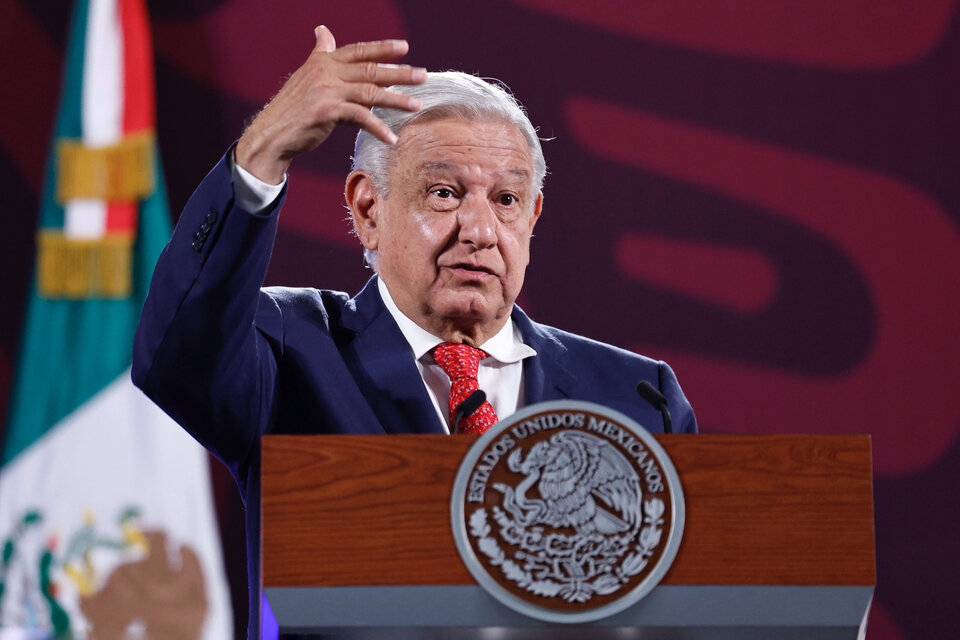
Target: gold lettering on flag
{"points": [[121, 172], [80, 268]]}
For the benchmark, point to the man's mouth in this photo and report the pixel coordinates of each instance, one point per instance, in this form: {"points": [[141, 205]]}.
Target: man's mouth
{"points": [[467, 269]]}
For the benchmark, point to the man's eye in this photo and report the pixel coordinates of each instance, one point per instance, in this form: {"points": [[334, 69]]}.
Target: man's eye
{"points": [[443, 193], [507, 199]]}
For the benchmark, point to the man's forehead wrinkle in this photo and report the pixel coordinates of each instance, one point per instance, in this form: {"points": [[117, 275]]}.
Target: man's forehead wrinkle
{"points": [[429, 140], [427, 167], [432, 167], [435, 166], [482, 152], [472, 143]]}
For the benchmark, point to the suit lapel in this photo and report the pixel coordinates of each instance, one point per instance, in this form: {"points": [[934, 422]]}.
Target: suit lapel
{"points": [[545, 376], [382, 364], [380, 360]]}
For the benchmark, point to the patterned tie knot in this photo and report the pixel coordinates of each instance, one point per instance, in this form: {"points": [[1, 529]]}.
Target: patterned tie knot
{"points": [[461, 362], [458, 360]]}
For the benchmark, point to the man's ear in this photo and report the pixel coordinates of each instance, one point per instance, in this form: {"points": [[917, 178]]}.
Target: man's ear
{"points": [[537, 210], [363, 202]]}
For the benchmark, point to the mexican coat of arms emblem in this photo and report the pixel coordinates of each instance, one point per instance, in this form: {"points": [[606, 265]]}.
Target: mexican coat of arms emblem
{"points": [[567, 511]]}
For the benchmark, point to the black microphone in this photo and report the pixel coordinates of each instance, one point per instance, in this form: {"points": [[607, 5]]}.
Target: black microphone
{"points": [[652, 395], [467, 407]]}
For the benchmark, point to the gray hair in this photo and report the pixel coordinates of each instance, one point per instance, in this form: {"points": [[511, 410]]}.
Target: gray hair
{"points": [[445, 93]]}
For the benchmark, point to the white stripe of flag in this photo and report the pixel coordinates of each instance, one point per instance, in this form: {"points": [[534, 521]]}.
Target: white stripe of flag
{"points": [[101, 111]]}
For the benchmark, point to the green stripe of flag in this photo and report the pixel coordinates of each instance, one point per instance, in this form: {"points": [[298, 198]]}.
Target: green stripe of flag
{"points": [[71, 349]]}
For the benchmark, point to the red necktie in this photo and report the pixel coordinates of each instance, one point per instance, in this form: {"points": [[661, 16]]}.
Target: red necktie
{"points": [[461, 362]]}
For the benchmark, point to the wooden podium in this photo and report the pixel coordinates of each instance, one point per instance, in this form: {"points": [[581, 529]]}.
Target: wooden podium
{"points": [[778, 542]]}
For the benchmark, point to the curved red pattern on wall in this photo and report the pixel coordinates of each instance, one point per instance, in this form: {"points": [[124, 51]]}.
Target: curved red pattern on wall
{"points": [[904, 390], [226, 47], [736, 278], [829, 33]]}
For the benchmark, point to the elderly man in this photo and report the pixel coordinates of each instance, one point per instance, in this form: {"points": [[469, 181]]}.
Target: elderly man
{"points": [[444, 195]]}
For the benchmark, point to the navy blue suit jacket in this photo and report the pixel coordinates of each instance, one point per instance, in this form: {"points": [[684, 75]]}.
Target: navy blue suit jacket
{"points": [[230, 361]]}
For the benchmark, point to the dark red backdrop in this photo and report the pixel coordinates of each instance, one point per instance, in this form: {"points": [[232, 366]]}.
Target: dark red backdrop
{"points": [[764, 194]]}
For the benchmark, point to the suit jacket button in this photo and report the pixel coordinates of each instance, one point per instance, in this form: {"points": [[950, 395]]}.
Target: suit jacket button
{"points": [[212, 216]]}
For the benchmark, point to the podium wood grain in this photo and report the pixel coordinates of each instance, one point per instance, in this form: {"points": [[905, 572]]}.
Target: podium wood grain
{"points": [[375, 510]]}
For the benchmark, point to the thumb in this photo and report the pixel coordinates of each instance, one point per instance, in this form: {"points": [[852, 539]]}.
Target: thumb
{"points": [[325, 40]]}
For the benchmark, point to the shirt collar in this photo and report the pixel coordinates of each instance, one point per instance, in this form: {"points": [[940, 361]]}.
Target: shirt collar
{"points": [[506, 346]]}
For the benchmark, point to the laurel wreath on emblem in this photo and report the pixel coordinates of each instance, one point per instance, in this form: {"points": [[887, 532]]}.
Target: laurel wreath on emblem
{"points": [[538, 552]]}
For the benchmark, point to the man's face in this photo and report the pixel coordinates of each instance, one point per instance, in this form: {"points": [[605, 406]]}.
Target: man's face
{"points": [[453, 233]]}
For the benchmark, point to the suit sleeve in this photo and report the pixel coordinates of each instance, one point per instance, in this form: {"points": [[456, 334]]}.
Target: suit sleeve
{"points": [[205, 348], [684, 420]]}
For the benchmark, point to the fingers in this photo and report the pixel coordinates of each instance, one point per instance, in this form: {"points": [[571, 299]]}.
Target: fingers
{"points": [[364, 118], [383, 74], [359, 99], [372, 95], [371, 51], [334, 86], [325, 40]]}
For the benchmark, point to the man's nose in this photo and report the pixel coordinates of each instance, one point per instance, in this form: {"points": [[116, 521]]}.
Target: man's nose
{"points": [[478, 222]]}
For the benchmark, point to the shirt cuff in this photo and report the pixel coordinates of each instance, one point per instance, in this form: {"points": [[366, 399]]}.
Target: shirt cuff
{"points": [[252, 193]]}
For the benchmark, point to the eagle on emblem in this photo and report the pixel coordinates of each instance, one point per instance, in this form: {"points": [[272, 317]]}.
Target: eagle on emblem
{"points": [[584, 484]]}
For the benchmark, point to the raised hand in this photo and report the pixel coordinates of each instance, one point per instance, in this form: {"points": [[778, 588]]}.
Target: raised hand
{"points": [[334, 86]]}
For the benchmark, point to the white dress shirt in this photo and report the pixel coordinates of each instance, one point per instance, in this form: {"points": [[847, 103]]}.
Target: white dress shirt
{"points": [[500, 374], [252, 193]]}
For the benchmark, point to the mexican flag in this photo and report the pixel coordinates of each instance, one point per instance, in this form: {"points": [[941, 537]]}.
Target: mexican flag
{"points": [[107, 525]]}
